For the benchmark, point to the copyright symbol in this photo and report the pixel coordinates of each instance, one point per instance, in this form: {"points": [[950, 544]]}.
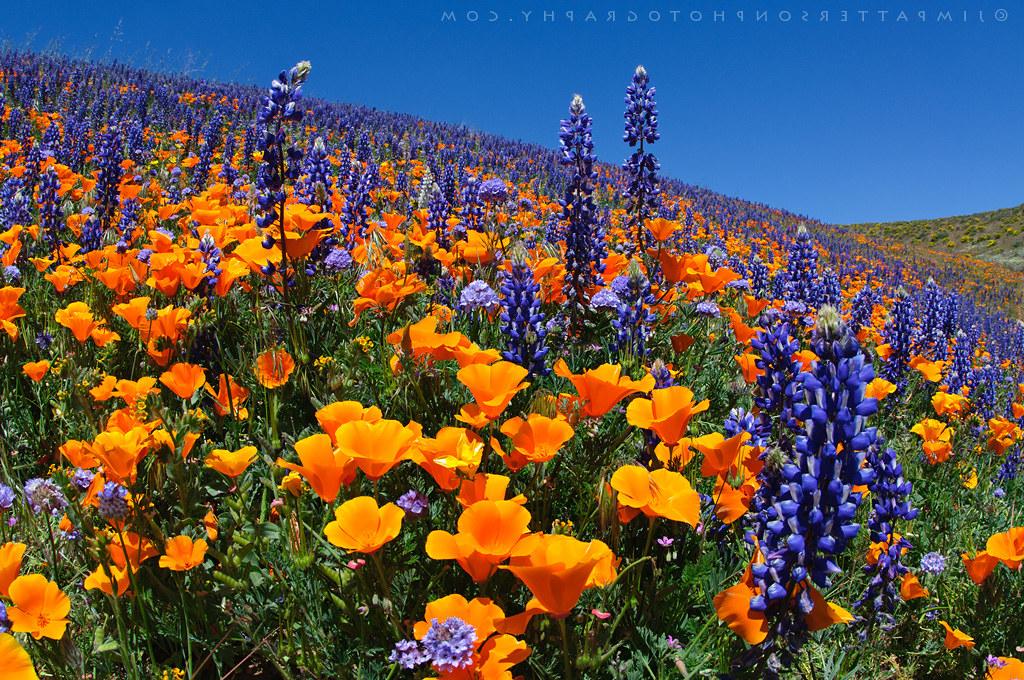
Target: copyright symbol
{"points": [[1001, 15]]}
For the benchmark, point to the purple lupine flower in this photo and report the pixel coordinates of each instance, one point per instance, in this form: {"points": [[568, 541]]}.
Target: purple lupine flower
{"points": [[933, 563], [318, 182], [808, 519], [801, 275], [899, 334], [413, 502], [929, 337], [337, 260], [6, 497], [82, 479], [478, 295], [12, 274], [890, 494], [108, 178], [961, 368], [493, 190], [472, 209], [408, 655], [450, 644], [44, 496], [641, 167], [635, 316], [584, 243], [777, 390], [861, 307], [522, 321], [708, 309], [113, 501], [44, 340], [606, 298]]}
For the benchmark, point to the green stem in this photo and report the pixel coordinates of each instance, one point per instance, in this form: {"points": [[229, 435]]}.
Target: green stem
{"points": [[566, 657]]}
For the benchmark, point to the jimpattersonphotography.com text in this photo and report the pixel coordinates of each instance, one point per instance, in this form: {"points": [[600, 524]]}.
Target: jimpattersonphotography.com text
{"points": [[717, 16]]}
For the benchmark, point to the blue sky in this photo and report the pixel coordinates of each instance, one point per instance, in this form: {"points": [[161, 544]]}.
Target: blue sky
{"points": [[867, 119]]}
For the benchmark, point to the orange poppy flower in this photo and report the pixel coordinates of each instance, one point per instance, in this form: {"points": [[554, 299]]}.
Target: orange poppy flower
{"points": [[10, 310], [824, 613], [879, 389], [120, 452], [486, 617], [560, 568], [229, 397], [931, 370], [333, 416], [945, 403], [134, 551], [495, 649], [11, 555], [979, 567], [385, 289], [1008, 668], [181, 553], [748, 366], [210, 524], [486, 487], [731, 503], [662, 229], [78, 454], [534, 440], [743, 332], [36, 370], [489, 533], [1003, 434], [656, 493], [15, 663], [78, 319], [721, 455], [494, 385], [133, 392], [956, 638], [453, 455], [184, 379], [1007, 547], [360, 526], [421, 339], [274, 367], [322, 465], [667, 413], [98, 579], [732, 606], [681, 342], [40, 607], [471, 415], [601, 388], [936, 436], [911, 588], [378, 446], [231, 463], [754, 305]]}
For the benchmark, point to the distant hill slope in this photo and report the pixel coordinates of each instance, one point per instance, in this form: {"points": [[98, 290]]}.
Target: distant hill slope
{"points": [[995, 236]]}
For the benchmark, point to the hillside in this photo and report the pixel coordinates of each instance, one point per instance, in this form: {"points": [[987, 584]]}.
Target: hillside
{"points": [[995, 236]]}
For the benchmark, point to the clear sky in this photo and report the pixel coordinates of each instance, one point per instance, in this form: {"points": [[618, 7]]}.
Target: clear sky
{"points": [[873, 118]]}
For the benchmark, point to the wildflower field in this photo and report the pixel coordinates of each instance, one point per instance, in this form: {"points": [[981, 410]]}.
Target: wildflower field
{"points": [[293, 389]]}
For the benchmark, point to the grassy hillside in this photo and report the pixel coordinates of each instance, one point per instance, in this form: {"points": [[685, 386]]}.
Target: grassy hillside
{"points": [[995, 236]]}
